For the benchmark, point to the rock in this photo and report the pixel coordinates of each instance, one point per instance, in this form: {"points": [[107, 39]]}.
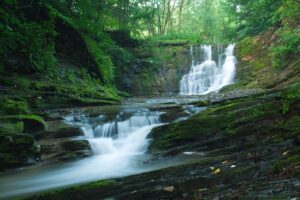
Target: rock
{"points": [[74, 145], [65, 149], [16, 150], [173, 114], [63, 132], [68, 132], [297, 140], [169, 188], [33, 124]]}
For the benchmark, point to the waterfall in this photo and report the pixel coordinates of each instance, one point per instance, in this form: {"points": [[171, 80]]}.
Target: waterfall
{"points": [[119, 136], [123, 128], [118, 146], [209, 76]]}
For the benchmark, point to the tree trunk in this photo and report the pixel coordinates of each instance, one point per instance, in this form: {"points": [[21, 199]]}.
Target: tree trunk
{"points": [[179, 15]]}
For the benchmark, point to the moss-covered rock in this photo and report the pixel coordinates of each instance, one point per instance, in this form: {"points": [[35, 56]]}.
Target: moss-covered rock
{"points": [[13, 106], [63, 132], [11, 126], [233, 118], [173, 114], [17, 150], [64, 149], [91, 190], [266, 60]]}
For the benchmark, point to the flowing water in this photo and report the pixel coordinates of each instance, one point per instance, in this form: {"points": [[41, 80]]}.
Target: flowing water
{"points": [[209, 75], [118, 146], [119, 143]]}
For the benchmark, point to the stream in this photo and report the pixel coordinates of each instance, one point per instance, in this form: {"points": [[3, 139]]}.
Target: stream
{"points": [[118, 135], [119, 148]]}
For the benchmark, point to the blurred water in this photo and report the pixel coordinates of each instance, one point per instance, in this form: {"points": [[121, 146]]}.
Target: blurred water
{"points": [[209, 76]]}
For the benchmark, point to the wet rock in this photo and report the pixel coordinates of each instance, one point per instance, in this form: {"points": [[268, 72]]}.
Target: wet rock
{"points": [[297, 140], [64, 132], [33, 124], [17, 150], [69, 132], [30, 123], [73, 145], [64, 149], [173, 114]]}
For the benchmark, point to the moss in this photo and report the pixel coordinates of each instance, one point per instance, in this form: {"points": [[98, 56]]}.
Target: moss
{"points": [[84, 90], [31, 123], [245, 46], [29, 45], [15, 150], [285, 163], [8, 160], [241, 173], [233, 118], [290, 128], [189, 130], [11, 106], [103, 60], [202, 103], [11, 126], [99, 188], [239, 85]]}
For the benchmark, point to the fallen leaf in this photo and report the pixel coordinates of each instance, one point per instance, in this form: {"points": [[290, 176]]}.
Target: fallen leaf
{"points": [[169, 188]]}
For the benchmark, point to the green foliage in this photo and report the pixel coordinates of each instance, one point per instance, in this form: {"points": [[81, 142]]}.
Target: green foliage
{"points": [[285, 107], [288, 46], [252, 17], [10, 106], [11, 127], [103, 60], [290, 96], [78, 84], [26, 45]]}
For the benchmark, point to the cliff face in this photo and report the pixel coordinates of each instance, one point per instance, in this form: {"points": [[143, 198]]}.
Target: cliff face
{"points": [[155, 70]]}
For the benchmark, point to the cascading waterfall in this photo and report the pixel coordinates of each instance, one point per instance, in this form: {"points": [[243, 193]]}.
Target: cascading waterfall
{"points": [[122, 128], [209, 76], [124, 137], [112, 137], [118, 148]]}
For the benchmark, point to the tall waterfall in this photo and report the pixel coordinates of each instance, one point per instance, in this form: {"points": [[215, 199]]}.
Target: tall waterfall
{"points": [[209, 76]]}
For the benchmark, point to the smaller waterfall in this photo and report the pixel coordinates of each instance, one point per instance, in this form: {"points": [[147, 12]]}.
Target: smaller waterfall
{"points": [[118, 136], [209, 76], [122, 128]]}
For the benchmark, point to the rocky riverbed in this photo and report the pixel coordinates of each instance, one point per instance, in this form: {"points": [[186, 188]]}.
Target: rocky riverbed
{"points": [[245, 147]]}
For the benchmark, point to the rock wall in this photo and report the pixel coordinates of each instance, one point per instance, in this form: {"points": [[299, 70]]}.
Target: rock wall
{"points": [[156, 70]]}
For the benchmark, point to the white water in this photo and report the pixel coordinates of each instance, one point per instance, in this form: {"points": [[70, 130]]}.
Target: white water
{"points": [[116, 153], [209, 76]]}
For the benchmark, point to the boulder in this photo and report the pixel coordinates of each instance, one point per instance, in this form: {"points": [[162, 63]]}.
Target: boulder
{"points": [[64, 149], [17, 150], [63, 132]]}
